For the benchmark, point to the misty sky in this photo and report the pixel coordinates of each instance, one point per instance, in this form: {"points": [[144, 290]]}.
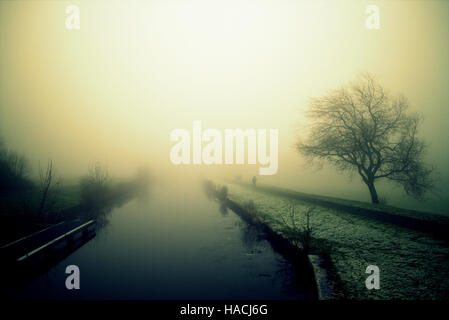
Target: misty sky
{"points": [[115, 89]]}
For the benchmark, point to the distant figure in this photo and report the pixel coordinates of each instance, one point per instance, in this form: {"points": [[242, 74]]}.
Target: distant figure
{"points": [[254, 180]]}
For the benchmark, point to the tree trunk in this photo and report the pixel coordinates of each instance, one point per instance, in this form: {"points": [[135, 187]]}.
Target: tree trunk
{"points": [[372, 191], [43, 199]]}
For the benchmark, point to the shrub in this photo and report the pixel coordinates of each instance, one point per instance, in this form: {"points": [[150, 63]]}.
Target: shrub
{"points": [[301, 237], [95, 188], [222, 195], [14, 171], [210, 189]]}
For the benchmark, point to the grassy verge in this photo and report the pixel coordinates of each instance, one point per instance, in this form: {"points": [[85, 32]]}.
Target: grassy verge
{"points": [[427, 216], [25, 204], [92, 198], [412, 264], [69, 196], [18, 218]]}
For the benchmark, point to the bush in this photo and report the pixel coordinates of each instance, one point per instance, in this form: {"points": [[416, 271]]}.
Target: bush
{"points": [[301, 237], [250, 207], [94, 188], [14, 171], [210, 189], [222, 195]]}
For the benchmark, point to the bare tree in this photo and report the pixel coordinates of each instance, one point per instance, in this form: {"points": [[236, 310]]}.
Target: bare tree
{"points": [[48, 188], [362, 128], [95, 186], [300, 236], [98, 174], [14, 171], [18, 164]]}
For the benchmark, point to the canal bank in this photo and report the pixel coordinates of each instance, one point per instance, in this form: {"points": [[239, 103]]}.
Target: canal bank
{"points": [[315, 267], [24, 259], [413, 264]]}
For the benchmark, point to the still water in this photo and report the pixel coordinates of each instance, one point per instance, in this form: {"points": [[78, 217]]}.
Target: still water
{"points": [[177, 244]]}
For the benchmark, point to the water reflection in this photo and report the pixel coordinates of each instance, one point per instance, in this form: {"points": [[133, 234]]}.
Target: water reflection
{"points": [[115, 197], [295, 274]]}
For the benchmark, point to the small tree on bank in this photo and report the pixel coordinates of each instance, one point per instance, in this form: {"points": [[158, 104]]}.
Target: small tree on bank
{"points": [[48, 189], [362, 128], [14, 171], [95, 187]]}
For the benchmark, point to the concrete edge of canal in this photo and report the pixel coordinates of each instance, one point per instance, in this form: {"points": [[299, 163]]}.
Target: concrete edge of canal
{"points": [[325, 287], [318, 265]]}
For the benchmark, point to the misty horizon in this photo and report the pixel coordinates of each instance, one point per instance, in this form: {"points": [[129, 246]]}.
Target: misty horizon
{"points": [[113, 91]]}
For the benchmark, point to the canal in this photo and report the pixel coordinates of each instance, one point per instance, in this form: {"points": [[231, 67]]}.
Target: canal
{"points": [[177, 244]]}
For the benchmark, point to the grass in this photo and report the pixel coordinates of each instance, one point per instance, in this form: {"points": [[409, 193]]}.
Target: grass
{"points": [[412, 264], [367, 205], [68, 197], [16, 203], [92, 197], [18, 217]]}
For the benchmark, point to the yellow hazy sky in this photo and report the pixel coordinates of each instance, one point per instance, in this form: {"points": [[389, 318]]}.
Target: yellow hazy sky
{"points": [[113, 90]]}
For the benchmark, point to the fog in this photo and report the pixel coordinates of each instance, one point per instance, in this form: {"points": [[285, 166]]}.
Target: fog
{"points": [[114, 90]]}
